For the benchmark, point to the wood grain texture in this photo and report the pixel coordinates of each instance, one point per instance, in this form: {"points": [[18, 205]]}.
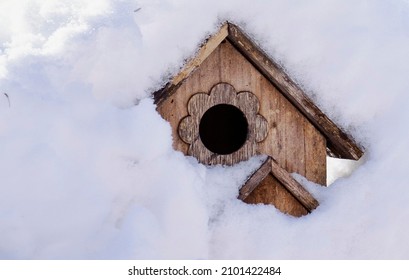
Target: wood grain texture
{"points": [[299, 134], [340, 143], [222, 93], [286, 140], [270, 191], [315, 155], [295, 188], [292, 140]]}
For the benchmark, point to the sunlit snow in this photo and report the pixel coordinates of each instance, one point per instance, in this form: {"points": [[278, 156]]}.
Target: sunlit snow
{"points": [[87, 169]]}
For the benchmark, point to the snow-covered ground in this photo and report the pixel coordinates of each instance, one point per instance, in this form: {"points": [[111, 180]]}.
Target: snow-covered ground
{"points": [[84, 173]]}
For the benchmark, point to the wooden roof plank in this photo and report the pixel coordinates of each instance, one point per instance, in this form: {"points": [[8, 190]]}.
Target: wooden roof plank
{"points": [[205, 50], [285, 178], [255, 179], [340, 143], [295, 188]]}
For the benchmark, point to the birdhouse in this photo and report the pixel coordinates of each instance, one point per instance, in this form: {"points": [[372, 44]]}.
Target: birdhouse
{"points": [[231, 102]]}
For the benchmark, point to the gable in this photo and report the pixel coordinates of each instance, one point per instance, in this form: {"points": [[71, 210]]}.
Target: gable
{"points": [[339, 144], [292, 140]]}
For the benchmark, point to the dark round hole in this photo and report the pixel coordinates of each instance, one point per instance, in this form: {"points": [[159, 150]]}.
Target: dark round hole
{"points": [[223, 129]]}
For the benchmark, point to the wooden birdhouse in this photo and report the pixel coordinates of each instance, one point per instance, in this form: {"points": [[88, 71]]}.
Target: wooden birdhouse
{"points": [[231, 102]]}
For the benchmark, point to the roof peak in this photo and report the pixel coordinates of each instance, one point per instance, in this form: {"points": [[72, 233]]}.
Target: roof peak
{"points": [[339, 143]]}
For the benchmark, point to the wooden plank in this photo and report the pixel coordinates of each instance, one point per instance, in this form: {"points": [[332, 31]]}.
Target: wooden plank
{"points": [[255, 179], [212, 43], [273, 108], [342, 144], [315, 155], [298, 191], [294, 141]]}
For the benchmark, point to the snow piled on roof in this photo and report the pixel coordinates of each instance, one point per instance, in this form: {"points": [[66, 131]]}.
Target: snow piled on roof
{"points": [[84, 173]]}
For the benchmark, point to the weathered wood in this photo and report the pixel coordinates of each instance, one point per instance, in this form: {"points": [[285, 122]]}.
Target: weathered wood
{"points": [[315, 155], [271, 192], [223, 93], [292, 140], [205, 50], [293, 123], [228, 65], [173, 107], [298, 191], [255, 179], [341, 143]]}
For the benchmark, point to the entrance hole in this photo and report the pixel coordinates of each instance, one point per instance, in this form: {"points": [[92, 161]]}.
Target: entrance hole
{"points": [[223, 129]]}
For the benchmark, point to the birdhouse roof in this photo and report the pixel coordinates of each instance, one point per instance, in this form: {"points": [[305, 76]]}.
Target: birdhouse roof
{"points": [[339, 143]]}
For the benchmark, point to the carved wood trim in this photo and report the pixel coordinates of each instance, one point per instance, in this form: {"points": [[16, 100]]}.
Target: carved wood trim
{"points": [[223, 93]]}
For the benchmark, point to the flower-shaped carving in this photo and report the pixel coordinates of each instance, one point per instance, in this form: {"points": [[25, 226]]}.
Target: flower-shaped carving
{"points": [[237, 119]]}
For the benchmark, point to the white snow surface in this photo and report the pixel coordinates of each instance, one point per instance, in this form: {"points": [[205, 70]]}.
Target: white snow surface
{"points": [[87, 169]]}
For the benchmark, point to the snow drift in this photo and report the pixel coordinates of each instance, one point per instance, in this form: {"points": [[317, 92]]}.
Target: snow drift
{"points": [[87, 166]]}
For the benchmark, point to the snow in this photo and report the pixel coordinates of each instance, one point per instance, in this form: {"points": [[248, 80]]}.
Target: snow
{"points": [[87, 165]]}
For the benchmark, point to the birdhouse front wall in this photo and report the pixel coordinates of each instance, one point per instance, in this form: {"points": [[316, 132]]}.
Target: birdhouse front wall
{"points": [[292, 140]]}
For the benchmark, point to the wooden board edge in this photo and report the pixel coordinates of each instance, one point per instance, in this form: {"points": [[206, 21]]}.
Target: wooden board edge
{"points": [[162, 94], [295, 188], [204, 51], [255, 179], [342, 144]]}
